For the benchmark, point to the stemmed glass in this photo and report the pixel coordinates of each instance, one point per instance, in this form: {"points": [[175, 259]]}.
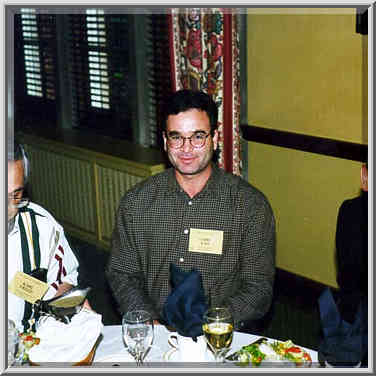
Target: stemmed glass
{"points": [[138, 333], [218, 329], [13, 341]]}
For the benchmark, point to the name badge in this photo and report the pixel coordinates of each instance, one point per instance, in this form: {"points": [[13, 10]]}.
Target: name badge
{"points": [[27, 288], [205, 241]]}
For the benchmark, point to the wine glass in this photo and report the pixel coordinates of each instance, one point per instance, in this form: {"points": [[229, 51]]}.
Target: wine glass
{"points": [[13, 340], [138, 333], [218, 329]]}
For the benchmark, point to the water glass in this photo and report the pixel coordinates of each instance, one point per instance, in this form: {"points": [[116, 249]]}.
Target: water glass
{"points": [[138, 333], [13, 340]]}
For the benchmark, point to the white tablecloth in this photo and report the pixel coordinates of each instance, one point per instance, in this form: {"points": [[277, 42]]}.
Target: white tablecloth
{"points": [[111, 351]]}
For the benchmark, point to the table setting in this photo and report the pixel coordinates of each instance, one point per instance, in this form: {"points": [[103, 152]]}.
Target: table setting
{"points": [[159, 346], [193, 334], [165, 352]]}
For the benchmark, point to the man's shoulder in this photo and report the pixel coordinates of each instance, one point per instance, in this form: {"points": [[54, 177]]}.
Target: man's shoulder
{"points": [[42, 213], [151, 183], [146, 189], [242, 187], [352, 206]]}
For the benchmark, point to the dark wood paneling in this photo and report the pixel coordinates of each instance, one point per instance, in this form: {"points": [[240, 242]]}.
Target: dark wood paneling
{"points": [[312, 144]]}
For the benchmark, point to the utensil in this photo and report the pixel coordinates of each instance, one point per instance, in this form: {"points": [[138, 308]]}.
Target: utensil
{"points": [[138, 333], [218, 329]]}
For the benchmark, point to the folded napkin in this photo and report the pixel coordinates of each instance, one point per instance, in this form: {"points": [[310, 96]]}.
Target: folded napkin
{"points": [[342, 343], [186, 304], [71, 342]]}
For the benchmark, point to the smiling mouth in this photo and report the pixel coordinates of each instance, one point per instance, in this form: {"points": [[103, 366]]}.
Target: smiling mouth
{"points": [[185, 156], [186, 160]]}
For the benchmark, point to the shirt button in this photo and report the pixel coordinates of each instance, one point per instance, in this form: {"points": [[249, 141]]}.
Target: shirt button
{"points": [[186, 231], [181, 259], [189, 202]]}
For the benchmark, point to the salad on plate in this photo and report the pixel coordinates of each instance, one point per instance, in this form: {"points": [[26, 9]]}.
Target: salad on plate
{"points": [[264, 352]]}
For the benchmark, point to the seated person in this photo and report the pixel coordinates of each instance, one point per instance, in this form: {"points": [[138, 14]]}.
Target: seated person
{"points": [[192, 217], [352, 250], [352, 257], [35, 241]]}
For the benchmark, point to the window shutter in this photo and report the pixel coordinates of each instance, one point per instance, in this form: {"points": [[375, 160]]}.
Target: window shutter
{"points": [[30, 36], [99, 74], [122, 81], [37, 36], [113, 81], [159, 72]]}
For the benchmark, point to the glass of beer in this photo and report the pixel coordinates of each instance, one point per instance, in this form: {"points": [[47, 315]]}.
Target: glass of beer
{"points": [[218, 329]]}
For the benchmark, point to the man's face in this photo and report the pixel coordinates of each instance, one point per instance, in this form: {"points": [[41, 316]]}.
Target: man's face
{"points": [[189, 160], [15, 186]]}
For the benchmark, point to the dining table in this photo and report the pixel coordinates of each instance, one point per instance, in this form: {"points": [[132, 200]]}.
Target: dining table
{"points": [[111, 351]]}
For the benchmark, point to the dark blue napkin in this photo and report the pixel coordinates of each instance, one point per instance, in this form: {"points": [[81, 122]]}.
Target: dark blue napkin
{"points": [[343, 343], [186, 304]]}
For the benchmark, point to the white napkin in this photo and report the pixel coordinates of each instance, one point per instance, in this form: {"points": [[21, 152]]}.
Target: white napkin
{"points": [[71, 342]]}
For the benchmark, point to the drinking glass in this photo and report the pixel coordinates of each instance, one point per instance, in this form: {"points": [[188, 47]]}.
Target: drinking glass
{"points": [[138, 333], [218, 329], [13, 340]]}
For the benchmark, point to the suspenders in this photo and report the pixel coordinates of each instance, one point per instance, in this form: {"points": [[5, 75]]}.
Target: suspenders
{"points": [[30, 250]]}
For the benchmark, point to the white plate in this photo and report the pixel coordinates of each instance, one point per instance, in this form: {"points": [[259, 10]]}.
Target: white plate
{"points": [[116, 358]]}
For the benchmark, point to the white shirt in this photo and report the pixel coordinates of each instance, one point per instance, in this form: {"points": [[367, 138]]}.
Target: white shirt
{"points": [[55, 253]]}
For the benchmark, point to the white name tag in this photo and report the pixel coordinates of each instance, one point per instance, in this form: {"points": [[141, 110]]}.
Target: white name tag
{"points": [[27, 288], [205, 241]]}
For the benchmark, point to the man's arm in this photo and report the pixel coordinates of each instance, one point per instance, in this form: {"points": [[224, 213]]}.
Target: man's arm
{"points": [[253, 296], [124, 272], [62, 272], [64, 287]]}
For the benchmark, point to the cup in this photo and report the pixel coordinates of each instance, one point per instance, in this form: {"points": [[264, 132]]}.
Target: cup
{"points": [[188, 350]]}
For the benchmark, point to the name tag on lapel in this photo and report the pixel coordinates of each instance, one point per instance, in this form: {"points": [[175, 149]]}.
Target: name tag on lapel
{"points": [[27, 288], [205, 241]]}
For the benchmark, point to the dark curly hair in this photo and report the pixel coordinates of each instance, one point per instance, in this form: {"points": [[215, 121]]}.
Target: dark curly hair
{"points": [[184, 100]]}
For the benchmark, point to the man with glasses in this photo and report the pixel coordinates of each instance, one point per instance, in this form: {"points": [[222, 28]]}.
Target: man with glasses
{"points": [[197, 217], [37, 245]]}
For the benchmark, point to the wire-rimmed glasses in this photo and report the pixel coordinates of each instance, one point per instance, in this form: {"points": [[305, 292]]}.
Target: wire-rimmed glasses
{"points": [[197, 139]]}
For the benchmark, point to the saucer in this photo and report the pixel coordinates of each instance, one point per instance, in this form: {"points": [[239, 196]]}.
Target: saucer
{"points": [[172, 355]]}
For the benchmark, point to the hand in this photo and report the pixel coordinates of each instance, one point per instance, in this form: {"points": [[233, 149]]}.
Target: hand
{"points": [[87, 305], [64, 287]]}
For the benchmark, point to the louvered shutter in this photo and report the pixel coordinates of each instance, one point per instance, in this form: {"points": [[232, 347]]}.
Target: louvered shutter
{"points": [[159, 72], [99, 73], [35, 46]]}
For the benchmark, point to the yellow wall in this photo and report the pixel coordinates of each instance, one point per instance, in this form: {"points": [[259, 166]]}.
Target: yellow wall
{"points": [[306, 73]]}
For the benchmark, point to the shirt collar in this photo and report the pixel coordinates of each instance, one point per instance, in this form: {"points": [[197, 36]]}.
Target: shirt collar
{"points": [[15, 225], [211, 187]]}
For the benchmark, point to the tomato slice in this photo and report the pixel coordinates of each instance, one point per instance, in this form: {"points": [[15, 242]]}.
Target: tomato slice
{"points": [[294, 349], [307, 357]]}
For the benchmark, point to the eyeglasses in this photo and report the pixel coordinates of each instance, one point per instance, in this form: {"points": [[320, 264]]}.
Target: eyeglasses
{"points": [[197, 140]]}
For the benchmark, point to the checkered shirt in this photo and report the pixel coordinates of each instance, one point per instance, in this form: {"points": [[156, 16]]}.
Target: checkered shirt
{"points": [[152, 230]]}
